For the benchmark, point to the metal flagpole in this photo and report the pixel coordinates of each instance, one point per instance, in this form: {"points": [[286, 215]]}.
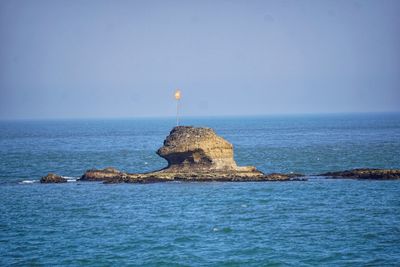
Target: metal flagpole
{"points": [[177, 98], [177, 112]]}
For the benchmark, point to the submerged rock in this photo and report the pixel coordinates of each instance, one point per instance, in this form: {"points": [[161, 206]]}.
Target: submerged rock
{"points": [[52, 178], [376, 174]]}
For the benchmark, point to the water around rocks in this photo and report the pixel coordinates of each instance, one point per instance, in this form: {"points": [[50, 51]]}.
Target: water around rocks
{"points": [[321, 222], [198, 154]]}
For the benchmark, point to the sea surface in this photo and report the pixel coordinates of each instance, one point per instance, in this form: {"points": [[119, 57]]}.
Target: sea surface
{"points": [[320, 222]]}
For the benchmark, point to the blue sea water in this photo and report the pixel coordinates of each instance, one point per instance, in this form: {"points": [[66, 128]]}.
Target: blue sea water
{"points": [[318, 222]]}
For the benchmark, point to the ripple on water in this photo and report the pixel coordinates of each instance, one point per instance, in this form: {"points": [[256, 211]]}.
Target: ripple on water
{"points": [[310, 223]]}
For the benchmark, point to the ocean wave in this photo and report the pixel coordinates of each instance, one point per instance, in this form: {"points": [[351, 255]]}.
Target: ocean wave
{"points": [[28, 181], [70, 179]]}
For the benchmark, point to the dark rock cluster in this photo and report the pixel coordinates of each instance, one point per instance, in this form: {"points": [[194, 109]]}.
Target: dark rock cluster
{"points": [[52, 178], [199, 154], [377, 174]]}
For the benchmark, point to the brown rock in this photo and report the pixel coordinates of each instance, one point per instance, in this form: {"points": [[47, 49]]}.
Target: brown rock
{"points": [[101, 175], [377, 174], [52, 178], [284, 177], [191, 150]]}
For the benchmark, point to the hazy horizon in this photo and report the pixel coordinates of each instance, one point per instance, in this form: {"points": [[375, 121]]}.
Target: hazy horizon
{"points": [[124, 59], [184, 119]]}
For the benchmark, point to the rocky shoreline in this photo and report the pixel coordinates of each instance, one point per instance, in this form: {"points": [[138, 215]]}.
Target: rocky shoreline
{"points": [[199, 155], [111, 175], [364, 174]]}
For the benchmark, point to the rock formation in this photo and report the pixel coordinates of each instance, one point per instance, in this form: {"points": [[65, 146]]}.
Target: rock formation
{"points": [[198, 154], [100, 175], [200, 150], [193, 154], [377, 174], [52, 178], [161, 176]]}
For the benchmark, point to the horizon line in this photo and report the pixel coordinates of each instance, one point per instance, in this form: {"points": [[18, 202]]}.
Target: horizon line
{"points": [[200, 116]]}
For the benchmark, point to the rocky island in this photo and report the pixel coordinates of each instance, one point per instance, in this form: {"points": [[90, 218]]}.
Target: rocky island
{"points": [[193, 154], [199, 154]]}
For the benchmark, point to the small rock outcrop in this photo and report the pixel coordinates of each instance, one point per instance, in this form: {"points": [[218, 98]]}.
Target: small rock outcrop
{"points": [[52, 178], [376, 174], [101, 175]]}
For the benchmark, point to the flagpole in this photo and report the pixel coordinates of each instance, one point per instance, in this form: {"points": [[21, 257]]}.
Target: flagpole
{"points": [[177, 96], [177, 112]]}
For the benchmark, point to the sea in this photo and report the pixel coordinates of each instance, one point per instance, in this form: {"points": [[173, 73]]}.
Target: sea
{"points": [[319, 222]]}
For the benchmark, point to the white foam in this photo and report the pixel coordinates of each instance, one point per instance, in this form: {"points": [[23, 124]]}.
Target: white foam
{"points": [[28, 182], [70, 179]]}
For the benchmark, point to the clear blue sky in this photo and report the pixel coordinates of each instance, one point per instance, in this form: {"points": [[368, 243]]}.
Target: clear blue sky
{"points": [[78, 59]]}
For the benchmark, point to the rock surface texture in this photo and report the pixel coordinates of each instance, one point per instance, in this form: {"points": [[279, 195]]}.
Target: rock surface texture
{"points": [[193, 154], [52, 178], [100, 175], [199, 150], [376, 174]]}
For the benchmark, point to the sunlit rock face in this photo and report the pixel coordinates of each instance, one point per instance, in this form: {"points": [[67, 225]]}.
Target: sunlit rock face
{"points": [[194, 149]]}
